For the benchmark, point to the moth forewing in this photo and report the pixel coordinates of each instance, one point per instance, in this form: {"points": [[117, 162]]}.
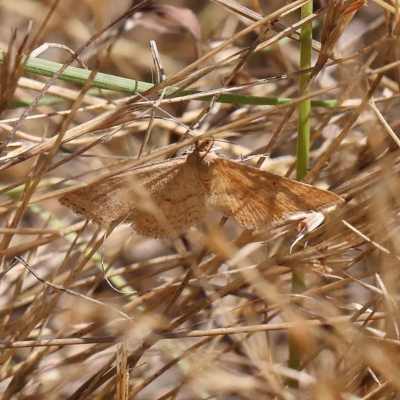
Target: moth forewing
{"points": [[163, 199], [258, 199], [102, 202], [181, 199], [107, 200]]}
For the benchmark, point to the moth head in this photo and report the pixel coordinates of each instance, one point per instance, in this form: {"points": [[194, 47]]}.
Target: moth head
{"points": [[205, 145]]}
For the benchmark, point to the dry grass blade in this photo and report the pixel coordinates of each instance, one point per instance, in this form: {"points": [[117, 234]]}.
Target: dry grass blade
{"points": [[101, 310]]}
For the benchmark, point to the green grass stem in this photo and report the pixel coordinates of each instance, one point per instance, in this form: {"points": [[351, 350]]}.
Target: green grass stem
{"points": [[302, 163]]}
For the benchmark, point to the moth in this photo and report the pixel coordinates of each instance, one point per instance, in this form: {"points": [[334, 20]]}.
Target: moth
{"points": [[166, 198]]}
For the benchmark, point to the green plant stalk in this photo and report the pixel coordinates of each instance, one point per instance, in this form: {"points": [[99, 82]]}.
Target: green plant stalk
{"points": [[302, 162], [118, 84], [304, 125]]}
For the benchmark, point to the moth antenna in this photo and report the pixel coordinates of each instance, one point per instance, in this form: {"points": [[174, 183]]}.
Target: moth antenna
{"points": [[209, 149], [225, 141], [188, 135]]}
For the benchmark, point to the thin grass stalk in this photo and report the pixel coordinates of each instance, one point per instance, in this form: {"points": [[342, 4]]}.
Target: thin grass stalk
{"points": [[302, 163], [124, 85], [303, 138]]}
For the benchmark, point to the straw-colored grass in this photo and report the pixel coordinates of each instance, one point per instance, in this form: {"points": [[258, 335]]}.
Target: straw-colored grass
{"points": [[211, 314]]}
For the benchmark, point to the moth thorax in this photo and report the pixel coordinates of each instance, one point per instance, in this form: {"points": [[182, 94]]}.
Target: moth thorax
{"points": [[204, 168]]}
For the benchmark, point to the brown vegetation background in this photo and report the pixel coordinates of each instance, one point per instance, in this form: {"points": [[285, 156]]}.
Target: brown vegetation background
{"points": [[213, 313]]}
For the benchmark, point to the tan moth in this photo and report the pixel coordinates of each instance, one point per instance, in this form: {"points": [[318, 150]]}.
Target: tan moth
{"points": [[166, 198]]}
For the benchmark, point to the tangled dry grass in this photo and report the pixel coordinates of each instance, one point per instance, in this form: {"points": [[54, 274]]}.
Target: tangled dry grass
{"points": [[212, 314]]}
